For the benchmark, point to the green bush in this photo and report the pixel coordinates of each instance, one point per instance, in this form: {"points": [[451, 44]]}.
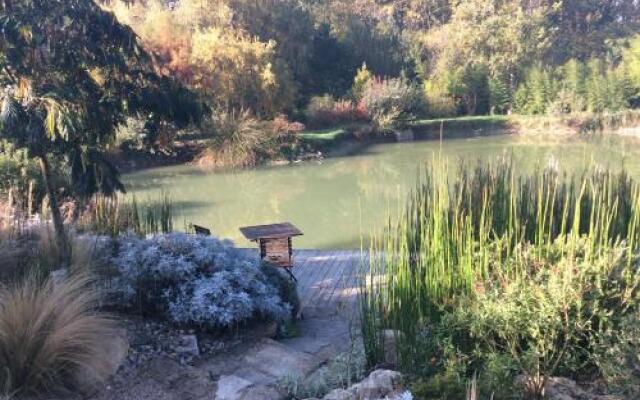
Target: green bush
{"points": [[513, 275], [617, 355], [541, 318], [287, 288], [467, 86], [392, 103]]}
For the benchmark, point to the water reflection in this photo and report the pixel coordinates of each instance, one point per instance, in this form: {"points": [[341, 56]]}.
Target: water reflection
{"points": [[340, 201]]}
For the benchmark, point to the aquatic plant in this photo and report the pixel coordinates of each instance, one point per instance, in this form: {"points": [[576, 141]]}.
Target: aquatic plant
{"points": [[482, 237], [115, 215]]}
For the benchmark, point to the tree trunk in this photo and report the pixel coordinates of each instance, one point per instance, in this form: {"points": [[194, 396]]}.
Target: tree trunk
{"points": [[64, 253]]}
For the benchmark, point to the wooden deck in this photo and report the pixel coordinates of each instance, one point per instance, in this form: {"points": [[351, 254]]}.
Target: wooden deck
{"points": [[328, 281]]}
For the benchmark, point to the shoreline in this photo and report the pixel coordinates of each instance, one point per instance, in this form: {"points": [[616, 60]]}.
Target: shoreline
{"points": [[625, 124]]}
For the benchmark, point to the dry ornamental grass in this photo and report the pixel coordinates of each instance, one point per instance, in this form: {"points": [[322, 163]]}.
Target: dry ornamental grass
{"points": [[51, 334]]}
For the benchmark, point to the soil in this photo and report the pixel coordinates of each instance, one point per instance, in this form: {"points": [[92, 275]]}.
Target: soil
{"points": [[131, 160], [243, 365]]}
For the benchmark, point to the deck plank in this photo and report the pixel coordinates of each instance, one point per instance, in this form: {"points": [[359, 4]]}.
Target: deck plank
{"points": [[307, 277], [342, 270], [334, 270], [328, 280], [328, 260]]}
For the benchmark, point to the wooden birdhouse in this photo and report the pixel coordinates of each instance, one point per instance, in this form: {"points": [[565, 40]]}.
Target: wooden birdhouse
{"points": [[275, 241]]}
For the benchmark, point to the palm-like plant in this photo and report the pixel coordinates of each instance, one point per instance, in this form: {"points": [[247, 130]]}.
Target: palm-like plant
{"points": [[70, 75]]}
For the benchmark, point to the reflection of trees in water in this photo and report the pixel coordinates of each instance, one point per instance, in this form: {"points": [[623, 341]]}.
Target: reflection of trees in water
{"points": [[326, 201]]}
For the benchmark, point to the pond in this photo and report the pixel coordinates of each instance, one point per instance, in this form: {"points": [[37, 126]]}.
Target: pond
{"points": [[338, 202]]}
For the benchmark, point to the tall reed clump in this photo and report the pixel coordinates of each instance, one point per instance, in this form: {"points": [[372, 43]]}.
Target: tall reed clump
{"points": [[51, 334], [477, 239], [115, 215]]}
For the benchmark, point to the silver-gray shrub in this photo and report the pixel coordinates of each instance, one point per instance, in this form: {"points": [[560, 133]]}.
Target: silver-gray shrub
{"points": [[193, 281]]}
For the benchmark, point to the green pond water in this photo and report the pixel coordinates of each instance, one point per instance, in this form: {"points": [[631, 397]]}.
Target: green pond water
{"points": [[338, 202]]}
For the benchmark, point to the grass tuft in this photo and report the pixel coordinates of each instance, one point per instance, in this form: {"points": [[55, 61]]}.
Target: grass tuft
{"points": [[51, 334]]}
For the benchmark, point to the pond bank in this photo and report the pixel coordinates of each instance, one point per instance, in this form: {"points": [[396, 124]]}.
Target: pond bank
{"points": [[339, 141]]}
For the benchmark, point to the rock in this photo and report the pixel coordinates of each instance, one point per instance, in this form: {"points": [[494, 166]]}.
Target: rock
{"points": [[188, 346], [277, 360], [262, 393], [339, 394], [558, 388], [379, 384], [231, 387]]}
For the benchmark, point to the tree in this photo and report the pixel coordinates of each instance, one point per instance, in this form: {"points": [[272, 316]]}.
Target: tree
{"points": [[631, 67], [360, 82], [205, 45], [71, 73], [583, 29]]}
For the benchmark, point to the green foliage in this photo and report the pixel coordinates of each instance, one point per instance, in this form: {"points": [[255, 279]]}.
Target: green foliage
{"points": [[116, 215], [341, 371], [499, 97], [468, 87], [392, 103], [440, 387], [617, 356], [574, 87], [541, 319], [511, 274], [240, 140], [631, 66], [360, 82], [20, 180]]}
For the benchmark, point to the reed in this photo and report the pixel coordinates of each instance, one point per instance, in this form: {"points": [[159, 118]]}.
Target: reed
{"points": [[460, 231], [115, 215]]}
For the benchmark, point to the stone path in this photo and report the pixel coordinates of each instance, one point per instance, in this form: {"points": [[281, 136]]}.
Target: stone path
{"points": [[328, 289]]}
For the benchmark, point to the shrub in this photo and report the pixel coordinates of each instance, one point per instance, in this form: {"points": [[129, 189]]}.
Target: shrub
{"points": [[617, 355], [391, 103], [440, 106], [193, 281], [240, 140], [49, 334], [341, 371], [21, 183], [360, 82], [515, 275], [237, 136], [325, 111], [541, 319]]}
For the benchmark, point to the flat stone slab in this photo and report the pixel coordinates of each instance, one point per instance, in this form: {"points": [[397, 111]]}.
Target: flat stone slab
{"points": [[278, 360], [321, 338], [231, 387]]}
